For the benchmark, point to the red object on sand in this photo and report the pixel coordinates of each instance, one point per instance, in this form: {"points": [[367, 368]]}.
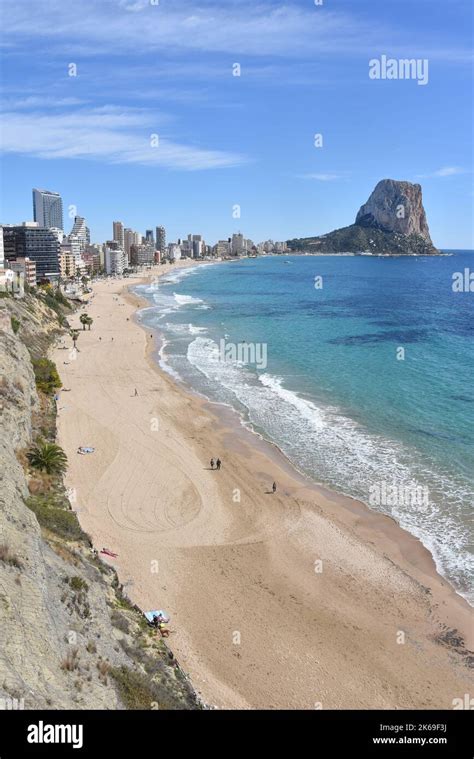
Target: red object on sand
{"points": [[109, 553]]}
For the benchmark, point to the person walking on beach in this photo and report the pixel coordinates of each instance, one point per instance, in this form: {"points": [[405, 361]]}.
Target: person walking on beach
{"points": [[136, 392], [212, 463], [274, 487], [218, 463]]}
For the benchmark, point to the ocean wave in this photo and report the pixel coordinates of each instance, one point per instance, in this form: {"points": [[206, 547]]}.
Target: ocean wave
{"points": [[182, 273], [333, 448], [186, 300], [183, 329]]}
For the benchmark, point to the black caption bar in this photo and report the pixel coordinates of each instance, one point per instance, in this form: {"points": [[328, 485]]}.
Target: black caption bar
{"points": [[375, 733]]}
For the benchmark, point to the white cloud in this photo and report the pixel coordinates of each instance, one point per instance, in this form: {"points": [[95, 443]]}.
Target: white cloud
{"points": [[108, 134], [446, 171], [322, 177], [255, 27], [246, 27], [39, 101]]}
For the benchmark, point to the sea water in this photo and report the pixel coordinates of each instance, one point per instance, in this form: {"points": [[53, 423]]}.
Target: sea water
{"points": [[366, 384]]}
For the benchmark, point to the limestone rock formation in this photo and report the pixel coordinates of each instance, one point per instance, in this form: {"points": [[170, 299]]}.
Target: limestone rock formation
{"points": [[392, 222], [395, 207]]}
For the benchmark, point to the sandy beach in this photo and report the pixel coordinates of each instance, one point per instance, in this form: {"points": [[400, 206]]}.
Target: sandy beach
{"points": [[298, 599]]}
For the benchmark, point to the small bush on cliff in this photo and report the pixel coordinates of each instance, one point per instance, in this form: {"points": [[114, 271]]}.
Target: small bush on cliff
{"points": [[16, 324], [47, 457], [54, 298], [71, 660], [60, 298], [78, 584], [7, 557], [139, 691], [56, 519], [46, 375]]}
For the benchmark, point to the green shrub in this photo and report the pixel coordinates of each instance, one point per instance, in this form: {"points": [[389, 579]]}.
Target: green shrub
{"points": [[58, 520], [60, 298], [78, 584], [51, 301], [46, 375], [16, 324], [139, 691]]}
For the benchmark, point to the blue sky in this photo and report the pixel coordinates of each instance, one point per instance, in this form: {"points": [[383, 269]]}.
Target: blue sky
{"points": [[166, 69]]}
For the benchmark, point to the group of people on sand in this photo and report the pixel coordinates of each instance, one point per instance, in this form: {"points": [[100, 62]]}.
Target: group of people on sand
{"points": [[159, 623], [217, 463]]}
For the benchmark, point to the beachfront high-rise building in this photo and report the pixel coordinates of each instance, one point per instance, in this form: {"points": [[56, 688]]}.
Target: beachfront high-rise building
{"points": [[2, 255], [127, 241], [196, 245], [186, 248], [222, 248], [160, 239], [149, 239], [93, 260], [130, 238], [114, 258], [268, 246], [174, 251], [118, 233], [67, 263], [48, 208], [73, 246], [81, 231], [142, 255], [238, 245], [36, 243]]}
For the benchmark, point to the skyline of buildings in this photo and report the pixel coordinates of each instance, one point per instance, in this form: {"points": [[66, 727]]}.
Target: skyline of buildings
{"points": [[41, 249]]}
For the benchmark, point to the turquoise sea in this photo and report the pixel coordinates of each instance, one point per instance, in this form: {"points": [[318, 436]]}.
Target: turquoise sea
{"points": [[359, 368]]}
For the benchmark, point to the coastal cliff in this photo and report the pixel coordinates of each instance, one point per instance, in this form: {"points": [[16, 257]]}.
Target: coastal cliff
{"points": [[391, 222], [69, 638]]}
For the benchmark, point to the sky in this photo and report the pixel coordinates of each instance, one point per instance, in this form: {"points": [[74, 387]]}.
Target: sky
{"points": [[155, 128]]}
